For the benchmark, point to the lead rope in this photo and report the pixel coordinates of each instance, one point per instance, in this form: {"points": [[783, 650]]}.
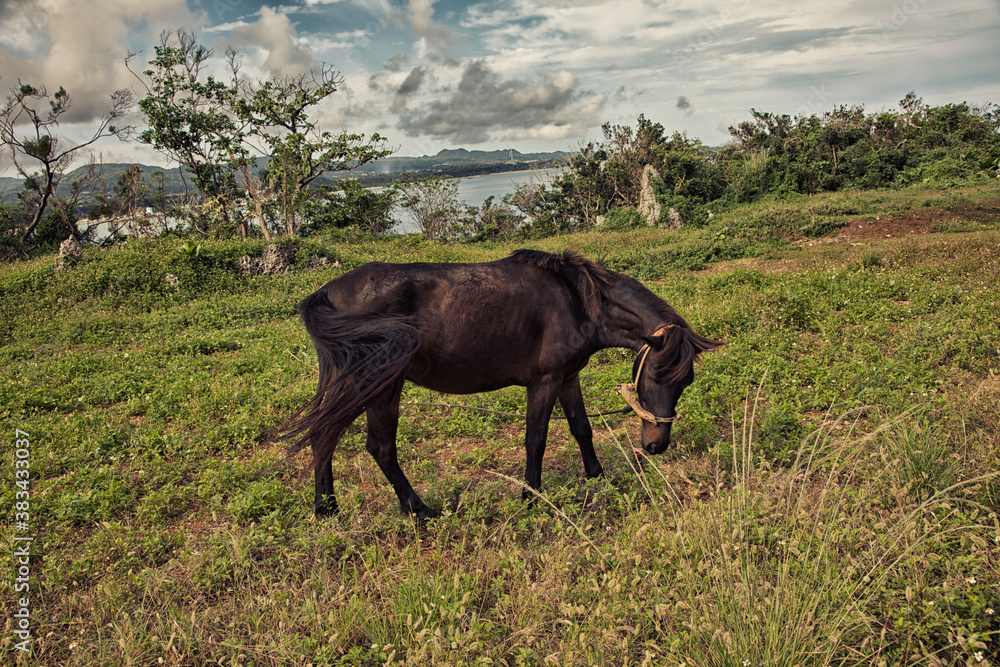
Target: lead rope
{"points": [[620, 411]]}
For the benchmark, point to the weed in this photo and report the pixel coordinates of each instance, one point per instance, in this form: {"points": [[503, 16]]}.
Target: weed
{"points": [[957, 226], [872, 260]]}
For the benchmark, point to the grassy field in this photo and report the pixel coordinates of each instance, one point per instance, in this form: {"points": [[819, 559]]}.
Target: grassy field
{"points": [[832, 497]]}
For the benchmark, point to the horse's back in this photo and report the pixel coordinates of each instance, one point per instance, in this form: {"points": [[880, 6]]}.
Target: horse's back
{"points": [[428, 291], [482, 326]]}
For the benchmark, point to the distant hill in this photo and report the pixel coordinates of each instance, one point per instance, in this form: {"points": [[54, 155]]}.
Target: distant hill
{"points": [[448, 163], [111, 172], [460, 157]]}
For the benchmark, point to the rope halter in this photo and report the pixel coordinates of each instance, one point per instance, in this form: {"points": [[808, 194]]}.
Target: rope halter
{"points": [[630, 391]]}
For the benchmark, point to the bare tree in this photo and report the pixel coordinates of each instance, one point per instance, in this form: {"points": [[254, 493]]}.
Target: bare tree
{"points": [[529, 198], [123, 204], [38, 154], [432, 203]]}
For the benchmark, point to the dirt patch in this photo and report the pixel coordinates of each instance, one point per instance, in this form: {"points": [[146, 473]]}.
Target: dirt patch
{"points": [[866, 231], [911, 223], [917, 222]]}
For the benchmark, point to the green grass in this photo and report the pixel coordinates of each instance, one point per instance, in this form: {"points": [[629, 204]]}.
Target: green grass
{"points": [[831, 499]]}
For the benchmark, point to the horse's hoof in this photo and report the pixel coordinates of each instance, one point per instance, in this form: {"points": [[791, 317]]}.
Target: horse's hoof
{"points": [[427, 513], [422, 513], [328, 507]]}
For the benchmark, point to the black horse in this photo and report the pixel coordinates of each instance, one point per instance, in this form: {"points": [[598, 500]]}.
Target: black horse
{"points": [[532, 319]]}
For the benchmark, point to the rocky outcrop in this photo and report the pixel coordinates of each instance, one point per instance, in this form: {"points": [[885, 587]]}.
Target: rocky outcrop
{"points": [[70, 252], [320, 262], [674, 219], [649, 208], [275, 260]]}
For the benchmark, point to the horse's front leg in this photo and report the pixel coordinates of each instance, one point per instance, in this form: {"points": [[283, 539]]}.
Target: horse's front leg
{"points": [[383, 420], [571, 400], [542, 395]]}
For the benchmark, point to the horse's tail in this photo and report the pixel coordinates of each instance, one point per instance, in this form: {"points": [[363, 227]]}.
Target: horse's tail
{"points": [[360, 358]]}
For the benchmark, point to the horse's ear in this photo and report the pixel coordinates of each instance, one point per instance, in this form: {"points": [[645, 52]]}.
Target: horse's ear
{"points": [[659, 338], [703, 344], [654, 342]]}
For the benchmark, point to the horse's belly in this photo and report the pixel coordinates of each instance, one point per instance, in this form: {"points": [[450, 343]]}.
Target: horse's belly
{"points": [[466, 376], [458, 387]]}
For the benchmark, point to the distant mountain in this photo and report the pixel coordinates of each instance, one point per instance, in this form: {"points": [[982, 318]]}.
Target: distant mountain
{"points": [[448, 163]]}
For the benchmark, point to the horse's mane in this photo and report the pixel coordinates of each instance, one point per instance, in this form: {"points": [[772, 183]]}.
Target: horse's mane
{"points": [[590, 279]]}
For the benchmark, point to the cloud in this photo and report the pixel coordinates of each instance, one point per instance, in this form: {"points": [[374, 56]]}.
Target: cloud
{"points": [[275, 35], [23, 24], [81, 46], [345, 109], [411, 84], [484, 106], [420, 18], [389, 78], [435, 36], [397, 62], [685, 105]]}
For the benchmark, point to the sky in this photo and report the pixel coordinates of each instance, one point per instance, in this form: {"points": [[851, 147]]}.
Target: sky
{"points": [[531, 76]]}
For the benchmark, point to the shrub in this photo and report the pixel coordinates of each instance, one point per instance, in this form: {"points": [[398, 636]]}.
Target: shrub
{"points": [[622, 218]]}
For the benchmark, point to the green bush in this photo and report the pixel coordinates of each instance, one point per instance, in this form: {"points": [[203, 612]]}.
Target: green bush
{"points": [[693, 212], [622, 218]]}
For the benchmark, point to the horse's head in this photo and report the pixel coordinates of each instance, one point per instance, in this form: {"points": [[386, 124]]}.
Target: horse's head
{"points": [[662, 370]]}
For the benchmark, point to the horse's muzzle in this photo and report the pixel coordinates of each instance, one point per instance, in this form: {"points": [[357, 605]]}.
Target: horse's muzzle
{"points": [[655, 437]]}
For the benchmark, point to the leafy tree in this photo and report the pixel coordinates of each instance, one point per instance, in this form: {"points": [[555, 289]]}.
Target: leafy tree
{"points": [[276, 111], [584, 191], [158, 196], [770, 154], [124, 204], [218, 129], [41, 157], [528, 198], [628, 152], [11, 224], [188, 121], [689, 169], [607, 176], [537, 203]]}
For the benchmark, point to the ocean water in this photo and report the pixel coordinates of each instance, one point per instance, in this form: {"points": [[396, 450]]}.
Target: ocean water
{"points": [[477, 189]]}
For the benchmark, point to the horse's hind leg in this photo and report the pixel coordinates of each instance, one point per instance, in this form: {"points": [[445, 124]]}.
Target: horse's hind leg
{"points": [[383, 419], [324, 503], [571, 400]]}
